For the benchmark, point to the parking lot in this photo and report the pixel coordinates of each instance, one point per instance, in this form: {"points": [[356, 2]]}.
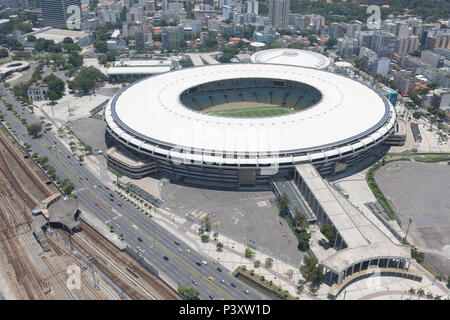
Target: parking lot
{"points": [[420, 191], [250, 217]]}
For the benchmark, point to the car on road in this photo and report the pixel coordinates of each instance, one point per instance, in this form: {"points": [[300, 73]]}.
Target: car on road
{"points": [[222, 281], [111, 199], [96, 204], [177, 243], [199, 264], [119, 204], [211, 279], [188, 251], [179, 250], [246, 291], [166, 258], [86, 178], [219, 269], [204, 262], [111, 195], [233, 284], [117, 226], [140, 239], [194, 282]]}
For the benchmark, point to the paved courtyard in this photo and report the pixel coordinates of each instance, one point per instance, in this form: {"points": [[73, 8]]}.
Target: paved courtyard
{"points": [[250, 217], [420, 191], [91, 131]]}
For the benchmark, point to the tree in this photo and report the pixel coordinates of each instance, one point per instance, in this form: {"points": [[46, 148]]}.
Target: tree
{"points": [[219, 246], [411, 292], [257, 264], [417, 114], [88, 149], [420, 293], [4, 53], [76, 60], [100, 46], [300, 289], [34, 129], [303, 239], [188, 293], [312, 39], [67, 40], [268, 263], [86, 79], [327, 231], [55, 84], [283, 202], [249, 253], [310, 270], [207, 223], [51, 95], [300, 220], [205, 238], [331, 42]]}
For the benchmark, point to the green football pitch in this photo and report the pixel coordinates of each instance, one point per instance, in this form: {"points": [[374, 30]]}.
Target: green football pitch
{"points": [[258, 112]]}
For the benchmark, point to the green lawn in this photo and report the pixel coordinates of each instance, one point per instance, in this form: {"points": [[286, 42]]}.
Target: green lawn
{"points": [[258, 112]]}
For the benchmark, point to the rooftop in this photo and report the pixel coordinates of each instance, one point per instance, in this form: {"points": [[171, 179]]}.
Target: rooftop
{"points": [[363, 238], [151, 110], [296, 57]]}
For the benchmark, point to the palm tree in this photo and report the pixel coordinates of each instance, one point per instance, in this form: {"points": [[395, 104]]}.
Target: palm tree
{"points": [[421, 293], [429, 296], [411, 292]]}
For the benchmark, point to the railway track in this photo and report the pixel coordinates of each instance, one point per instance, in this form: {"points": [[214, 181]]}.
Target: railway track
{"points": [[89, 242], [106, 265], [165, 292], [28, 171], [26, 275]]}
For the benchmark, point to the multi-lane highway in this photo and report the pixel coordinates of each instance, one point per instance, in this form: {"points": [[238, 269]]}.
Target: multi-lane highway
{"points": [[94, 196]]}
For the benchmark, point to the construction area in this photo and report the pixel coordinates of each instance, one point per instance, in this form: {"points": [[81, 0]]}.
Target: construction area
{"points": [[79, 266]]}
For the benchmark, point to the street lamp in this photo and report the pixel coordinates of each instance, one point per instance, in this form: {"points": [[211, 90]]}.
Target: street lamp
{"points": [[407, 229]]}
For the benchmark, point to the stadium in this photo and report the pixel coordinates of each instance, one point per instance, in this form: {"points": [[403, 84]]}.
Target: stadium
{"points": [[244, 124], [295, 57]]}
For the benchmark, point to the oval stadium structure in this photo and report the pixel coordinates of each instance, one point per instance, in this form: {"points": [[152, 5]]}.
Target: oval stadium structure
{"points": [[294, 57], [244, 124]]}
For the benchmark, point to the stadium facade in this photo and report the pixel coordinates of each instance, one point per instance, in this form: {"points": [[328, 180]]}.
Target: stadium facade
{"points": [[179, 123]]}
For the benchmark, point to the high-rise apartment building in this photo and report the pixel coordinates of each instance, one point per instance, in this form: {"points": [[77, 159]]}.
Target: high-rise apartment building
{"points": [[279, 13], [56, 13], [383, 43]]}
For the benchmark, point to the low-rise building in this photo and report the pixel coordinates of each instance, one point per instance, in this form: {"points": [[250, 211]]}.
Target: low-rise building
{"points": [[441, 99], [124, 70], [404, 81], [37, 91]]}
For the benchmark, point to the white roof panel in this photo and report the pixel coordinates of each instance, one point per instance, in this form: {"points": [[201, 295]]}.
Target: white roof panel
{"points": [[151, 108]]}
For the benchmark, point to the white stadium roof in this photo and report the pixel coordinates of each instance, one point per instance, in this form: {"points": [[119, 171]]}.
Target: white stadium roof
{"points": [[151, 110], [295, 57]]}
